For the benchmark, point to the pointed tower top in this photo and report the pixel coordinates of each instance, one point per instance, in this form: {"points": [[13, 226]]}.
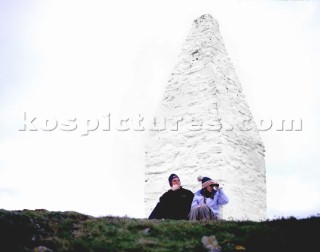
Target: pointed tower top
{"points": [[204, 21], [204, 18]]}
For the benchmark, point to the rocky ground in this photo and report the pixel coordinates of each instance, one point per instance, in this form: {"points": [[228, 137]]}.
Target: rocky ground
{"points": [[42, 230]]}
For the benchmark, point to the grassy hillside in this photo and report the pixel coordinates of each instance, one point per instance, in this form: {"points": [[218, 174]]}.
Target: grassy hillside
{"points": [[41, 230]]}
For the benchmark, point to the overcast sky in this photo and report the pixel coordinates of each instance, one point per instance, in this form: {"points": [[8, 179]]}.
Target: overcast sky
{"points": [[101, 60]]}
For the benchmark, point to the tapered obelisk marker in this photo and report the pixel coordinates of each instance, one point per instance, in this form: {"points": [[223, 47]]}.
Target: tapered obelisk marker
{"points": [[204, 127]]}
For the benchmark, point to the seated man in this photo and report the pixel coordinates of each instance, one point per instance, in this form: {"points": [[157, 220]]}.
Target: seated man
{"points": [[174, 204], [206, 202]]}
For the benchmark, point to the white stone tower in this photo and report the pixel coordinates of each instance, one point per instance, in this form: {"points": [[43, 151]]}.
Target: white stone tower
{"points": [[204, 127]]}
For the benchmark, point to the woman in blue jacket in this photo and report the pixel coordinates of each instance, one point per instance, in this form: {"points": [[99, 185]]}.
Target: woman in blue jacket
{"points": [[206, 202]]}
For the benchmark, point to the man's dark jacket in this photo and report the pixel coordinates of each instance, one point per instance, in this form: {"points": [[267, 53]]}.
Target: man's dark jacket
{"points": [[174, 205]]}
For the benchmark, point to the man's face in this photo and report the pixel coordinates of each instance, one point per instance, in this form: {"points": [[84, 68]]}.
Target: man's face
{"points": [[176, 181]]}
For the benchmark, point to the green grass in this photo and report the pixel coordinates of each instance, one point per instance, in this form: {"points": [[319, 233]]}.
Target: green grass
{"points": [[71, 231]]}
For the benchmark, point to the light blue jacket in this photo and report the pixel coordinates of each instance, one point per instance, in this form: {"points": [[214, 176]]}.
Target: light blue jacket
{"points": [[219, 199]]}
